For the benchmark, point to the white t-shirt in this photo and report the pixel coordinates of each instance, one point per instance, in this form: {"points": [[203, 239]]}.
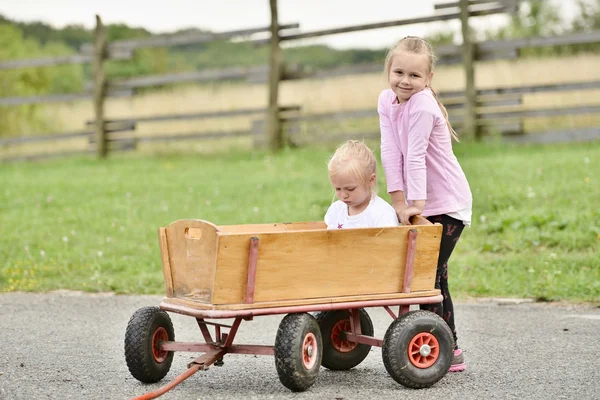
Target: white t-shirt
{"points": [[378, 213], [463, 215]]}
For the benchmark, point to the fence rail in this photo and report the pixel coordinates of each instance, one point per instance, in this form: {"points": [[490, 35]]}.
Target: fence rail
{"points": [[61, 60], [457, 4], [184, 39], [491, 108], [388, 24]]}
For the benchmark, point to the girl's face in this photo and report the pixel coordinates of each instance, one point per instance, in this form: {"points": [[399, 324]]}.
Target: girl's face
{"points": [[352, 191], [409, 74]]}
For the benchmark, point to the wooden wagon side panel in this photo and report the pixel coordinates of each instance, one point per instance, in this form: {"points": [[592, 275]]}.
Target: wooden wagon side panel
{"points": [[426, 257], [192, 247], [323, 264], [270, 228]]}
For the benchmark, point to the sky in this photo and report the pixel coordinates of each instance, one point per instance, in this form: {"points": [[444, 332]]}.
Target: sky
{"points": [[225, 15]]}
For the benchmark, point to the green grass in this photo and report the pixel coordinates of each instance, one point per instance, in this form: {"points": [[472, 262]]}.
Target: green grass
{"points": [[86, 225]]}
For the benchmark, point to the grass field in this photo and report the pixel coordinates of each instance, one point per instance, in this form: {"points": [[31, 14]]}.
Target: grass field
{"points": [[86, 225]]}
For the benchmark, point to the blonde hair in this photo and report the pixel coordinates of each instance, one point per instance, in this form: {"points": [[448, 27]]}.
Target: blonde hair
{"points": [[418, 45], [357, 160]]}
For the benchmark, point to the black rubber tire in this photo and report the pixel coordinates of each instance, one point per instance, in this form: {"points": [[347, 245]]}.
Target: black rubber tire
{"points": [[395, 349], [333, 358], [289, 341], [142, 326]]}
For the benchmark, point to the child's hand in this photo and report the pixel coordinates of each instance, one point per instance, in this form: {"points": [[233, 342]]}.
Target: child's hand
{"points": [[399, 208], [405, 214]]}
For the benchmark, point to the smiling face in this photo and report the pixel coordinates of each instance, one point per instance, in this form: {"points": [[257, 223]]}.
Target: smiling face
{"points": [[409, 74]]}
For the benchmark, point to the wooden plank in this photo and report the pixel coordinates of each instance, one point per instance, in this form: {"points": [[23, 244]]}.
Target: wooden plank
{"points": [[558, 136], [44, 156], [451, 58], [449, 102], [558, 87], [411, 21], [468, 59], [185, 38], [185, 116], [503, 49], [194, 135], [419, 220], [192, 258], [99, 88], [487, 100], [59, 137], [338, 115], [271, 228], [456, 4], [60, 60], [193, 304], [58, 98], [195, 76], [43, 138], [540, 41], [336, 137], [545, 112], [273, 125], [166, 264], [486, 104], [324, 263], [506, 92]]}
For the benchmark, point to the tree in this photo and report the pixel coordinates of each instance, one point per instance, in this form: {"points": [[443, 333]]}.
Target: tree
{"points": [[31, 81], [588, 16], [536, 18]]}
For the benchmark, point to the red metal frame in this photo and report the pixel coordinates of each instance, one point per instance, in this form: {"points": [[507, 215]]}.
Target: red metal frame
{"points": [[252, 261], [411, 250], [223, 343]]}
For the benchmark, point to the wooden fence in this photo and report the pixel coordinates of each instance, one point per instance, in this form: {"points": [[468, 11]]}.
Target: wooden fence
{"points": [[284, 125]]}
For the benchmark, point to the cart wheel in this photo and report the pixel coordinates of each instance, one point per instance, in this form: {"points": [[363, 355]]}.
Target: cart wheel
{"points": [[417, 349], [147, 327], [298, 351], [338, 353]]}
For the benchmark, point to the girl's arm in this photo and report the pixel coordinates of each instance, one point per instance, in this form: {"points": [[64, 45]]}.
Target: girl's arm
{"points": [[420, 125], [391, 157], [398, 202]]}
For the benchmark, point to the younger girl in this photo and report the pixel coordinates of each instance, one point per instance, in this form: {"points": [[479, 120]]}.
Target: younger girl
{"points": [[352, 172], [422, 173]]}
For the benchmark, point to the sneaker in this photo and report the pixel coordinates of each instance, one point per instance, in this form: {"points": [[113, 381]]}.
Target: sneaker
{"points": [[458, 362]]}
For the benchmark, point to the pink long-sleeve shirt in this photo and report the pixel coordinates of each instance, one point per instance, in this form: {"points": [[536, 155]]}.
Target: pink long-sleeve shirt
{"points": [[417, 156]]}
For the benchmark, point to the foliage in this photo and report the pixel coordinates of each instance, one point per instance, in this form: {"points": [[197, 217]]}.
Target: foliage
{"points": [[88, 225], [536, 18], [31, 81], [588, 16]]}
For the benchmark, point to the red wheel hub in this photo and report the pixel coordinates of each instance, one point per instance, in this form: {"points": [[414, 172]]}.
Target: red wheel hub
{"points": [[423, 350], [160, 335], [309, 351], [337, 337]]}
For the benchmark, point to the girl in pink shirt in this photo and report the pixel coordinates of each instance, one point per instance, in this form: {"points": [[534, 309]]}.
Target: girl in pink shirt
{"points": [[423, 175]]}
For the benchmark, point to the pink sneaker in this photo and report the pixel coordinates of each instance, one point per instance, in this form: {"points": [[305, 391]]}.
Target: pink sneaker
{"points": [[458, 362]]}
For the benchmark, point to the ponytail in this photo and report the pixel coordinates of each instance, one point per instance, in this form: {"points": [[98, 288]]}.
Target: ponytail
{"points": [[445, 114]]}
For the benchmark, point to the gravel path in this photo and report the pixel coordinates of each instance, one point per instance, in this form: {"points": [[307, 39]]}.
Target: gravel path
{"points": [[70, 346]]}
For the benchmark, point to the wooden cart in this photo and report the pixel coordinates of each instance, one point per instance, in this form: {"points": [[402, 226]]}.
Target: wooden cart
{"points": [[322, 279]]}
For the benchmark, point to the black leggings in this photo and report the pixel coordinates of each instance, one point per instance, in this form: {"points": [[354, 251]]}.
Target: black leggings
{"points": [[451, 232]]}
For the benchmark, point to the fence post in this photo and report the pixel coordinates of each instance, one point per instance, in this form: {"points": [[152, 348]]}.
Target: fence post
{"points": [[274, 132], [470, 121], [100, 50]]}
